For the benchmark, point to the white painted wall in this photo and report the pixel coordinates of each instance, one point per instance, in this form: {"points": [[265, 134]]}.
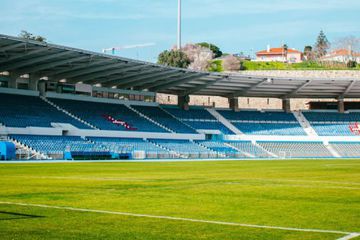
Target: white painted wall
{"points": [[294, 138], [31, 131], [73, 131], [291, 57]]}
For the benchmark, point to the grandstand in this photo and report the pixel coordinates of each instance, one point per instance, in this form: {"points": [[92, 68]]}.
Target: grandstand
{"points": [[264, 123], [31, 111], [97, 115], [332, 123], [64, 103], [198, 118], [297, 149]]}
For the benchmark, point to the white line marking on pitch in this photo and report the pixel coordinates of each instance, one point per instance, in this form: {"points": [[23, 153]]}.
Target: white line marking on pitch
{"points": [[334, 164], [296, 185], [297, 180], [348, 236]]}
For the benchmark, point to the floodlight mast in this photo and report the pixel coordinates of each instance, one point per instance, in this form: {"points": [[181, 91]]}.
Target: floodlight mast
{"points": [[179, 26]]}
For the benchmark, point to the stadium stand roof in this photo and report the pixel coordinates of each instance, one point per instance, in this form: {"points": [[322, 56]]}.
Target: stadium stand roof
{"points": [[21, 56]]}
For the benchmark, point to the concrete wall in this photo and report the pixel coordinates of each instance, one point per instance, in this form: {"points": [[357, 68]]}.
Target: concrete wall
{"points": [[73, 131], [306, 73], [19, 92], [100, 100], [325, 139]]}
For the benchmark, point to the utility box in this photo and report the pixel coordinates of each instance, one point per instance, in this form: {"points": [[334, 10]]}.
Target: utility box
{"points": [[7, 151]]}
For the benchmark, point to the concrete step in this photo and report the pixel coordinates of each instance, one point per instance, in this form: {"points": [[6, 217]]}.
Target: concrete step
{"points": [[210, 150], [68, 113], [149, 119], [224, 121], [332, 150], [178, 119], [237, 149], [166, 149], [305, 124], [32, 153], [268, 152]]}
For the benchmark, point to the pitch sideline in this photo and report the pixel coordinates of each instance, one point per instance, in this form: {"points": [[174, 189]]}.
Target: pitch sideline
{"points": [[348, 235]]}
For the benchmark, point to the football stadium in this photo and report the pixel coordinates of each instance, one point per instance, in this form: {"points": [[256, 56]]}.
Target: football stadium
{"points": [[125, 167], [88, 152]]}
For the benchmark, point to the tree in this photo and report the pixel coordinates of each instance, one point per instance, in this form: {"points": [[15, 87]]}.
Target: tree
{"points": [[350, 43], [285, 50], [308, 53], [322, 45], [351, 64], [200, 57], [174, 58], [231, 63], [26, 35], [215, 49]]}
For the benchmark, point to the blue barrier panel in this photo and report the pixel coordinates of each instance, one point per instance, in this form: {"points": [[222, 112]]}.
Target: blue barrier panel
{"points": [[7, 151], [67, 155]]}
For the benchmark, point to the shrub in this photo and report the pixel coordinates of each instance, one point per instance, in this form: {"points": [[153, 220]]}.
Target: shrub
{"points": [[351, 64], [248, 65], [216, 66], [174, 58]]}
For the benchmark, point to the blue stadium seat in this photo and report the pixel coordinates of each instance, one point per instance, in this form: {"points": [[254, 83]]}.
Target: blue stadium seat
{"points": [[293, 129], [125, 144], [96, 114], [347, 149], [264, 123], [185, 148], [58, 144], [333, 123], [162, 117], [198, 118], [220, 147], [297, 149], [249, 148], [258, 116], [25, 111]]}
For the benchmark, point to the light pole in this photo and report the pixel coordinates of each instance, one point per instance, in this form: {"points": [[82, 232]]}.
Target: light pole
{"points": [[179, 26]]}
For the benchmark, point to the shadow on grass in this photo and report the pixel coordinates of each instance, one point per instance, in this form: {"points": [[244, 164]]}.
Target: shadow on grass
{"points": [[4, 215]]}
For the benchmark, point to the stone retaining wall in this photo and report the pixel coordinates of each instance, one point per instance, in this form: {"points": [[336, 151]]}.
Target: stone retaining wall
{"points": [[266, 103]]}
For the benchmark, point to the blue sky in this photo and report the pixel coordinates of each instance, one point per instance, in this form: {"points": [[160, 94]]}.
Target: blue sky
{"points": [[234, 25]]}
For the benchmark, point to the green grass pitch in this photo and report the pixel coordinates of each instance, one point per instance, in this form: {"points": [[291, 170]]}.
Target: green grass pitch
{"points": [[304, 194]]}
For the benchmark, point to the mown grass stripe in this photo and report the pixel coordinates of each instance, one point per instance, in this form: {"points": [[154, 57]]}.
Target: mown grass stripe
{"points": [[348, 236]]}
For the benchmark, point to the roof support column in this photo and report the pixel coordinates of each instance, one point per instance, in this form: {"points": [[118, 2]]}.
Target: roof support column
{"points": [[234, 104], [286, 106], [183, 102], [33, 83], [42, 87], [341, 105], [12, 80]]}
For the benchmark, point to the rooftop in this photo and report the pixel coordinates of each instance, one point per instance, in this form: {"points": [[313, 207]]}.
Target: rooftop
{"points": [[58, 63], [277, 51]]}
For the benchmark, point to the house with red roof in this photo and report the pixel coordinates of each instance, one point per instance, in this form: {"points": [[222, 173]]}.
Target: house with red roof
{"points": [[342, 55], [281, 54]]}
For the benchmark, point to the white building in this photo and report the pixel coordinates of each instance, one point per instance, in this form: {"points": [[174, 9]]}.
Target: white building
{"points": [[281, 54], [342, 55]]}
